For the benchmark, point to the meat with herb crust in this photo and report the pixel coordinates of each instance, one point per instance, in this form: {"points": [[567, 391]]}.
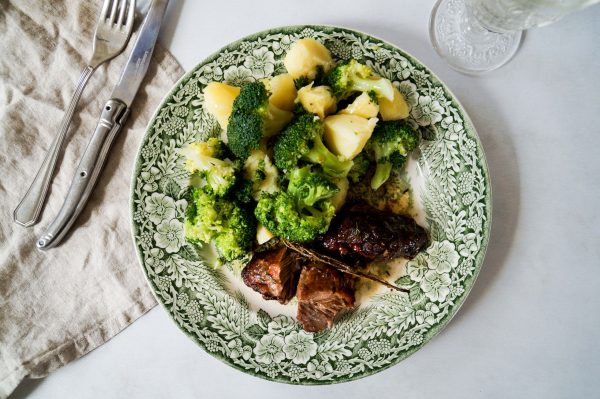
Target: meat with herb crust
{"points": [[361, 231]]}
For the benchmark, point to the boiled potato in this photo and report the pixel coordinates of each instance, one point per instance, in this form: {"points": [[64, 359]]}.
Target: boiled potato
{"points": [[218, 100], [305, 56], [393, 110], [277, 119], [317, 100], [262, 234], [363, 106], [347, 135], [339, 198], [283, 91]]}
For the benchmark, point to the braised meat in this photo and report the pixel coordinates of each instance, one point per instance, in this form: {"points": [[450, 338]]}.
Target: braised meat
{"points": [[322, 293], [361, 231], [274, 274]]}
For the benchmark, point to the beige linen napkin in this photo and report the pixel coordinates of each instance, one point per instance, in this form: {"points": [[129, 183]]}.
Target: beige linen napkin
{"points": [[57, 305]]}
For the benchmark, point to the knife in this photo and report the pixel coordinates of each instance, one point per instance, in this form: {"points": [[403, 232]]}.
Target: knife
{"points": [[112, 118]]}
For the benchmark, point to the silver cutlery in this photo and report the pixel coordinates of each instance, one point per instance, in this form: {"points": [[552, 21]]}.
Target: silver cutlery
{"points": [[112, 33], [112, 118]]}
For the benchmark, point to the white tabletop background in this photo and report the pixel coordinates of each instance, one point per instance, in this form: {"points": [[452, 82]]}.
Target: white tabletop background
{"points": [[531, 326]]}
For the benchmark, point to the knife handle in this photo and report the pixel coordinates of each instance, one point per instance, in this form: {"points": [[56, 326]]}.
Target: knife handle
{"points": [[112, 118]]}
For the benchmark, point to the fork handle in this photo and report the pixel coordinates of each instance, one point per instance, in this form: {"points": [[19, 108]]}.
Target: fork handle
{"points": [[114, 115], [27, 212]]}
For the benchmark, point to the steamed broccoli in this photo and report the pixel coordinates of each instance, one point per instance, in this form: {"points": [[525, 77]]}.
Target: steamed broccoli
{"points": [[252, 118], [352, 76], [390, 144], [260, 171], [299, 110], [309, 187], [223, 220], [242, 191], [319, 79], [302, 140], [301, 82], [361, 166], [236, 239], [303, 211], [280, 214], [204, 160]]}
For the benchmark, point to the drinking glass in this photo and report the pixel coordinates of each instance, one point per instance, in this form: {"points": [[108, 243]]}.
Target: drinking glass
{"points": [[476, 36]]}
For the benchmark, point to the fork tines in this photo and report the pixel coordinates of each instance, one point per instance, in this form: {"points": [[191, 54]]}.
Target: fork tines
{"points": [[118, 12]]}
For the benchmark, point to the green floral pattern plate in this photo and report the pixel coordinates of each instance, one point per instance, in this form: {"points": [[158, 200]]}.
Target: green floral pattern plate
{"points": [[451, 190]]}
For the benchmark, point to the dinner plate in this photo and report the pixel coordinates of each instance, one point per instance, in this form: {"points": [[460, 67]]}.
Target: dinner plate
{"points": [[450, 195]]}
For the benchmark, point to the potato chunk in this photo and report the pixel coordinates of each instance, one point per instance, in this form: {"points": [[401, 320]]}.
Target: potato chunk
{"points": [[218, 100], [347, 135], [283, 91], [363, 106], [262, 234], [339, 198], [305, 56], [393, 110], [317, 100]]}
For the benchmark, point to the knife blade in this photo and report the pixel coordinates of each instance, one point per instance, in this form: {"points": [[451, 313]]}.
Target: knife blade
{"points": [[112, 118]]}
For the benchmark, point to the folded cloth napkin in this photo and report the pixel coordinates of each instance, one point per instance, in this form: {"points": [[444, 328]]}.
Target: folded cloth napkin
{"points": [[57, 305]]}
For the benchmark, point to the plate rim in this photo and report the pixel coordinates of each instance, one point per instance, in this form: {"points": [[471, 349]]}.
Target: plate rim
{"points": [[486, 232]]}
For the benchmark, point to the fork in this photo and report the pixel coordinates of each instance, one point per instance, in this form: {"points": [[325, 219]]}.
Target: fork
{"points": [[112, 33]]}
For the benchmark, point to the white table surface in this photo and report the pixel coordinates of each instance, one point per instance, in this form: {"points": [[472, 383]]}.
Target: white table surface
{"points": [[531, 326]]}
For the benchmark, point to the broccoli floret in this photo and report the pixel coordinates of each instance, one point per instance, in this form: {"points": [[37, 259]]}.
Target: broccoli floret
{"points": [[373, 97], [309, 187], [301, 82], [230, 225], [361, 166], [303, 211], [253, 118], [319, 79], [208, 171], [203, 221], [299, 110], [260, 171], [390, 144], [243, 191], [280, 214], [320, 76], [351, 76], [302, 140], [236, 239]]}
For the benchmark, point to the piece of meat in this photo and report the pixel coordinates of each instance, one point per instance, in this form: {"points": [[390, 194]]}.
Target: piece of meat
{"points": [[322, 293], [366, 232], [274, 274]]}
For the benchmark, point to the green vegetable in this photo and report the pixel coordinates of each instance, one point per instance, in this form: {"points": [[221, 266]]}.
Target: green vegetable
{"points": [[303, 140], [303, 211], [389, 145], [351, 76], [223, 220], [318, 80], [373, 97], [299, 110], [361, 166], [216, 176], [309, 187], [252, 118], [260, 171], [301, 82], [242, 191], [236, 239], [282, 216]]}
